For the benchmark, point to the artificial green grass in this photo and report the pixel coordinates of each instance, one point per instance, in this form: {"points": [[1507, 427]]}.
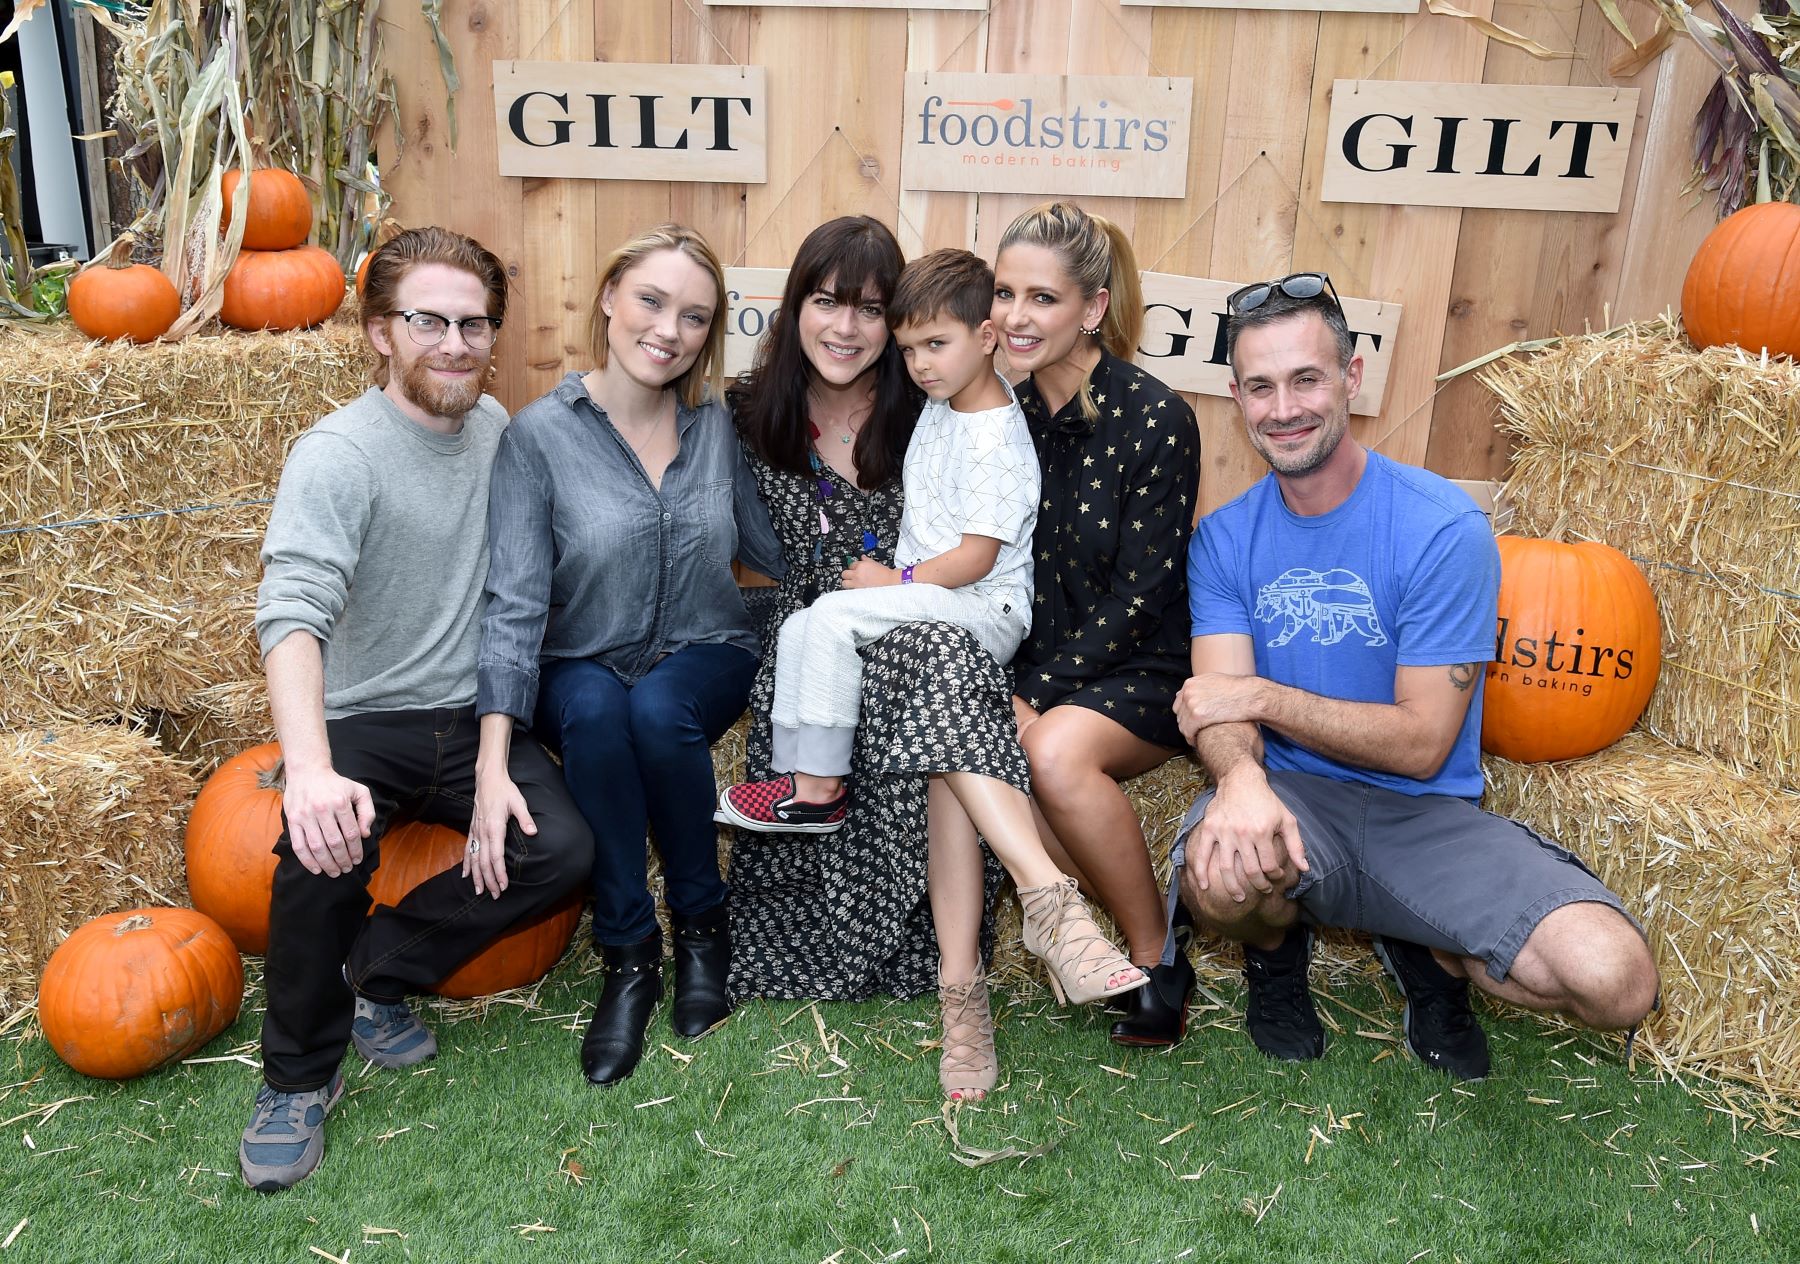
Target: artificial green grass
{"points": [[813, 1133]]}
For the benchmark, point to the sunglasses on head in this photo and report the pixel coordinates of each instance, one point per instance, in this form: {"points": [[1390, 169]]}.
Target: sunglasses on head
{"points": [[1300, 285]]}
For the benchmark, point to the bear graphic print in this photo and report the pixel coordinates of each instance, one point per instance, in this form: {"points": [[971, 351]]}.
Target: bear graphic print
{"points": [[1331, 605]]}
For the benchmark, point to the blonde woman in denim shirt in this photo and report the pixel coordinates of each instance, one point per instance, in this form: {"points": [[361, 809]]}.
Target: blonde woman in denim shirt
{"points": [[615, 629]]}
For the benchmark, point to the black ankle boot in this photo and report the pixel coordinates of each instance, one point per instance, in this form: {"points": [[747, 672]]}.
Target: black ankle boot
{"points": [[633, 982], [1156, 1015], [702, 967]]}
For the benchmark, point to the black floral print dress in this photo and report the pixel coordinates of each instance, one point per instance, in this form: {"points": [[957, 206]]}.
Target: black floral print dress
{"points": [[1109, 618], [844, 916]]}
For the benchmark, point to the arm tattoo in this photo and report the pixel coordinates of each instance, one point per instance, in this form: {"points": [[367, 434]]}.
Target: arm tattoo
{"points": [[1462, 675]]}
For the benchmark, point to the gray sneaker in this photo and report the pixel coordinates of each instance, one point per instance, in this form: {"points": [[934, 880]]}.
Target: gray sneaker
{"points": [[286, 1136], [390, 1035]]}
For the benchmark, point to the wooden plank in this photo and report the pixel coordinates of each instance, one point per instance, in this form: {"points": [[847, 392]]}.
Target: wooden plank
{"points": [[626, 31], [1266, 102], [1315, 6], [836, 148], [1177, 236], [1107, 40], [92, 113], [940, 42], [558, 253], [1666, 225], [851, 4], [1498, 292], [1093, 37], [716, 209], [433, 184], [1415, 257], [1024, 37], [1343, 238]]}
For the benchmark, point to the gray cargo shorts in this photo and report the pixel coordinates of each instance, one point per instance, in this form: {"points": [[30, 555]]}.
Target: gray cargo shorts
{"points": [[1431, 869]]}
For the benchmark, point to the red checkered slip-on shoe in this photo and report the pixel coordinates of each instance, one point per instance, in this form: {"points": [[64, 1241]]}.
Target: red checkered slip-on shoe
{"points": [[769, 807]]}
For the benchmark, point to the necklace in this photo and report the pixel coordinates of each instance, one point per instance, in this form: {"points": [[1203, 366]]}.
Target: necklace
{"points": [[825, 490], [844, 425]]}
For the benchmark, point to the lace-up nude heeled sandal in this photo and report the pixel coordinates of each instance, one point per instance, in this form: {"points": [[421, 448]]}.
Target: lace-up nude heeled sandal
{"points": [[968, 1066], [1060, 930]]}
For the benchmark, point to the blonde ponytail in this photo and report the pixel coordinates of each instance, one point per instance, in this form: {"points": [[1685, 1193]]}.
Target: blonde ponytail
{"points": [[1097, 255]]}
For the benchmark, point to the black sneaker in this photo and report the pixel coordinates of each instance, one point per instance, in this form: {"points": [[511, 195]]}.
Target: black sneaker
{"points": [[1440, 1025], [1278, 1012]]}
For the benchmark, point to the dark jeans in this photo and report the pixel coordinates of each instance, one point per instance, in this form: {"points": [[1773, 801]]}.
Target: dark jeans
{"points": [[639, 756], [418, 765]]}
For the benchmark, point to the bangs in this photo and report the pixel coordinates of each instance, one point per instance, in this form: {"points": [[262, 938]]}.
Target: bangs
{"points": [[856, 255]]}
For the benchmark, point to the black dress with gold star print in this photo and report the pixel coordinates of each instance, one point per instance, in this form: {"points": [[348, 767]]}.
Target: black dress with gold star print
{"points": [[1110, 622]]}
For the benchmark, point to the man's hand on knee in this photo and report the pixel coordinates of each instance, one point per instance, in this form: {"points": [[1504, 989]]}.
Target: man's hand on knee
{"points": [[1247, 841], [328, 817]]}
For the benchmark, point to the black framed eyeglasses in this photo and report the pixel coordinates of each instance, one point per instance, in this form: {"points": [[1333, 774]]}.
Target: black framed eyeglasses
{"points": [[1300, 285], [428, 328]]}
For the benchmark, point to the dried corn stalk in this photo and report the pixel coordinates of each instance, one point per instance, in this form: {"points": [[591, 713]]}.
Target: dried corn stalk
{"points": [[208, 85]]}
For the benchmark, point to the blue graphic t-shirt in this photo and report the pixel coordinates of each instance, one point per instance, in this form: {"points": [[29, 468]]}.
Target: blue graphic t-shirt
{"points": [[1404, 573]]}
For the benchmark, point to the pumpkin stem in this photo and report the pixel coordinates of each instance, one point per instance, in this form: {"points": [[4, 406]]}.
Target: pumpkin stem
{"points": [[137, 921], [118, 255], [274, 777]]}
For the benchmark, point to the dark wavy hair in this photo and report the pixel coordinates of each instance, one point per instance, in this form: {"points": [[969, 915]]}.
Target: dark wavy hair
{"points": [[856, 254]]}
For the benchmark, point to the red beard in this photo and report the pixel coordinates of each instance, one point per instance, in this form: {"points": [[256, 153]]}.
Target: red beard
{"points": [[449, 400]]}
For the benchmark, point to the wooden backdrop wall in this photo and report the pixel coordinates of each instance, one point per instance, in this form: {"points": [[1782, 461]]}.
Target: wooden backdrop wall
{"points": [[1469, 280]]}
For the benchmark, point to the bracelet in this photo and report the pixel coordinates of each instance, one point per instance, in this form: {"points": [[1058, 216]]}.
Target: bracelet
{"points": [[906, 574]]}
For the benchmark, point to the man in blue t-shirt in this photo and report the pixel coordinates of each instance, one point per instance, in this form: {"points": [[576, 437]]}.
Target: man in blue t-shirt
{"points": [[1343, 608]]}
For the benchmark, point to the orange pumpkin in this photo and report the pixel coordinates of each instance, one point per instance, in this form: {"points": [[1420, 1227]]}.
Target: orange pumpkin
{"points": [[282, 289], [133, 991], [230, 845], [1743, 286], [280, 215], [231, 872], [116, 298], [415, 852], [1577, 650]]}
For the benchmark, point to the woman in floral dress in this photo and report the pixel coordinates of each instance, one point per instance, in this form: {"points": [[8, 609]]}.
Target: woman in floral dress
{"points": [[825, 418]]}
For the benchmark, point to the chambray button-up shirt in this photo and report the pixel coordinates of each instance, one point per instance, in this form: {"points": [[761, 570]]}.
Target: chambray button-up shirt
{"points": [[590, 559]]}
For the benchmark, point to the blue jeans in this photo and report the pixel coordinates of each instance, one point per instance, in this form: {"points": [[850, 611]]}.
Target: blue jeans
{"points": [[638, 756]]}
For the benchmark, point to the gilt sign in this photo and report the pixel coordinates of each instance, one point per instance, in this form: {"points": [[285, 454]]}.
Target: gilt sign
{"points": [[1183, 342], [620, 121], [1506, 146]]}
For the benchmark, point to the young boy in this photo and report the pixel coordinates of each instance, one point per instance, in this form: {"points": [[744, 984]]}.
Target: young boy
{"points": [[964, 554]]}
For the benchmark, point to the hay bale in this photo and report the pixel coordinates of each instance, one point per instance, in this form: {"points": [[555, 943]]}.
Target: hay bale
{"points": [[1704, 857], [221, 721], [134, 484], [91, 821], [1689, 461]]}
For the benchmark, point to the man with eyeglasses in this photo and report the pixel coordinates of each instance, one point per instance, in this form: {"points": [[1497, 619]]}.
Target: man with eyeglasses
{"points": [[1343, 610], [368, 617]]}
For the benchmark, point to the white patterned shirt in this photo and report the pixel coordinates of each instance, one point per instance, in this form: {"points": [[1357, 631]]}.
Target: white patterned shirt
{"points": [[973, 474]]}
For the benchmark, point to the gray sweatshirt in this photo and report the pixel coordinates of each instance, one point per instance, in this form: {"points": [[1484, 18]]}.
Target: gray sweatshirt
{"points": [[377, 546]]}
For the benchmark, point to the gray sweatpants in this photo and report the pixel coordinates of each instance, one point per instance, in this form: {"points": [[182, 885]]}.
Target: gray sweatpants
{"points": [[818, 672]]}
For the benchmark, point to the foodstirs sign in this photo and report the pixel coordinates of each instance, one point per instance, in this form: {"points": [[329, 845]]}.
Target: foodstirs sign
{"points": [[1117, 135]]}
